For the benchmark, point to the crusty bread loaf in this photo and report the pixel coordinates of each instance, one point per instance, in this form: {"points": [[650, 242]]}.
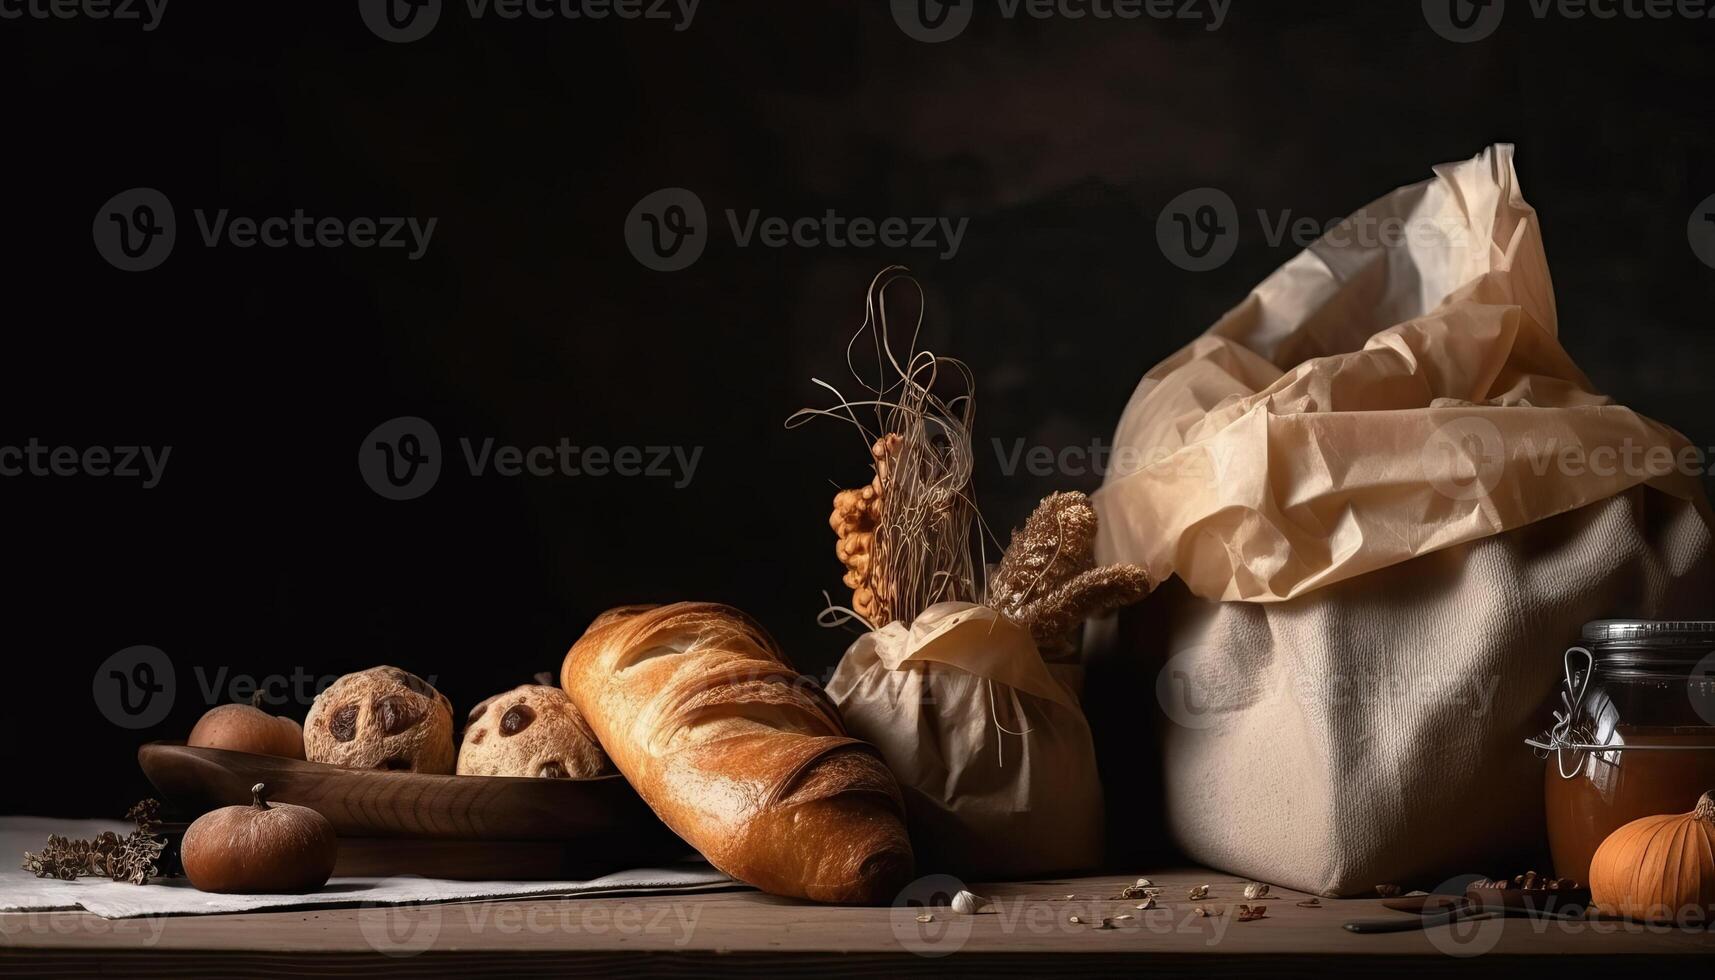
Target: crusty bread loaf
{"points": [[739, 754]]}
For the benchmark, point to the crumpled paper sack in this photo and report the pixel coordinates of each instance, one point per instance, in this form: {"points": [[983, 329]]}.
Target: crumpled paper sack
{"points": [[1390, 499], [1371, 402], [990, 746]]}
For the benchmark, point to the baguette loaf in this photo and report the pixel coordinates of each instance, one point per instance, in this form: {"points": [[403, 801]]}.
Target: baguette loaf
{"points": [[740, 755]]}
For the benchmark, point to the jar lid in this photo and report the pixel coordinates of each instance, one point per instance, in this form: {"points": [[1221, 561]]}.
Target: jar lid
{"points": [[1650, 642], [1623, 630]]}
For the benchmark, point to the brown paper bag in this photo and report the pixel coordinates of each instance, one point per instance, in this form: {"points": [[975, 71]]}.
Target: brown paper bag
{"points": [[1391, 499], [988, 742]]}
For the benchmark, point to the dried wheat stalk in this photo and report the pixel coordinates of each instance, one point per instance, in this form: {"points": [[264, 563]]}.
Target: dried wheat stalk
{"points": [[1048, 580]]}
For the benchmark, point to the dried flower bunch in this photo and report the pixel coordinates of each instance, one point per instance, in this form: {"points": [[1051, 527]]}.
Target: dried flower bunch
{"points": [[857, 514], [1048, 581], [130, 858], [905, 539]]}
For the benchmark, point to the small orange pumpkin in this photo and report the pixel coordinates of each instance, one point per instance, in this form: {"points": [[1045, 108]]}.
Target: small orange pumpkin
{"points": [[247, 728], [1659, 869]]}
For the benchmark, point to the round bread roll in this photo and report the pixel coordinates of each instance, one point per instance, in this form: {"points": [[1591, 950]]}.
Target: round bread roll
{"points": [[531, 730], [381, 718]]}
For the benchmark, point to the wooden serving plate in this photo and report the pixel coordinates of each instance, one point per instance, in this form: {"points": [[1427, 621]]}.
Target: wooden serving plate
{"points": [[440, 826]]}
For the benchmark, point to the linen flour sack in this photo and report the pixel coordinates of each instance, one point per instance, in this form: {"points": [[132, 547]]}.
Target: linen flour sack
{"points": [[1389, 499]]}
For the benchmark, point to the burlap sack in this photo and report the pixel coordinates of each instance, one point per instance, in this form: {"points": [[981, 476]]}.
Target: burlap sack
{"points": [[988, 742], [1390, 500]]}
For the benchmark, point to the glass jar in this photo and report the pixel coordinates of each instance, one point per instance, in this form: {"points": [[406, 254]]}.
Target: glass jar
{"points": [[1636, 737]]}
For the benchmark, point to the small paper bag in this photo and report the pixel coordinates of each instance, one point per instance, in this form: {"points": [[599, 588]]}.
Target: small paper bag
{"points": [[988, 741]]}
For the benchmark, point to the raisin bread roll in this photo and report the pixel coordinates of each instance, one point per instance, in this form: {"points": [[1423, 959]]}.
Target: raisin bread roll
{"points": [[744, 758], [381, 718], [531, 730]]}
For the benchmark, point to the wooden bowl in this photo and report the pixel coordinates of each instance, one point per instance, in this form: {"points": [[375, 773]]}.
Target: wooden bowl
{"points": [[405, 822]]}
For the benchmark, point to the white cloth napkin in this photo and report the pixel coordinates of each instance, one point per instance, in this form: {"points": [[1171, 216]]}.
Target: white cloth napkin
{"points": [[21, 891]]}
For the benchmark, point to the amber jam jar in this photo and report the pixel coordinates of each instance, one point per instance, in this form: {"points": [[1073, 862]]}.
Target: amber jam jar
{"points": [[1636, 736]]}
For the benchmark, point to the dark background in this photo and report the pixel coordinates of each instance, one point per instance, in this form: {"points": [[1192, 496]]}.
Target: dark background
{"points": [[528, 320]]}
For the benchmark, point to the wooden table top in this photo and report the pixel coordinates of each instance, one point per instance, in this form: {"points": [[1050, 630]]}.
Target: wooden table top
{"points": [[1030, 930]]}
